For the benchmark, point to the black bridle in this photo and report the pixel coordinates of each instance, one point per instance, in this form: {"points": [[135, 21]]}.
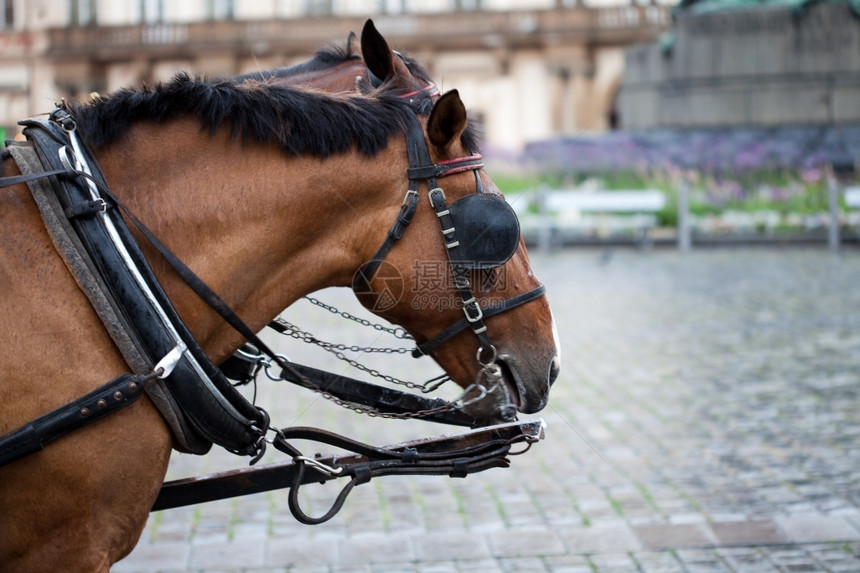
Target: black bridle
{"points": [[422, 168]]}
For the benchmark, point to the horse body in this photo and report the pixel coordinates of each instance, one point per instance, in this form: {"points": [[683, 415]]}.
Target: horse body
{"points": [[262, 228]]}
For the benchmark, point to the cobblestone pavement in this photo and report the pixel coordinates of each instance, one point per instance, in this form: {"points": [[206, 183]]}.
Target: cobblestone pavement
{"points": [[707, 419]]}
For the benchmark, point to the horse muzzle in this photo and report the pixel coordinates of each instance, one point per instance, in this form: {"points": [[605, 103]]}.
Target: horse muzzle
{"points": [[520, 389]]}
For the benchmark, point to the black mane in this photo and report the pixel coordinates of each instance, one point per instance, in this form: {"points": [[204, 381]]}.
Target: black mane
{"points": [[296, 120]]}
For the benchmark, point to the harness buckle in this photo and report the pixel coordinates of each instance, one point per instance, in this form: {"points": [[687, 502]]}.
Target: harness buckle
{"points": [[436, 191], [472, 303], [409, 194], [62, 117]]}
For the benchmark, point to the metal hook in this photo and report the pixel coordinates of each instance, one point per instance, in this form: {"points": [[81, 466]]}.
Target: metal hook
{"points": [[319, 466]]}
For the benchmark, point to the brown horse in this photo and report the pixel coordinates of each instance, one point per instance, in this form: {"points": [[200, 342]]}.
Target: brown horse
{"points": [[308, 184]]}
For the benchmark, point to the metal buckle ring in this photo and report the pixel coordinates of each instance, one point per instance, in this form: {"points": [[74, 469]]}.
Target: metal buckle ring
{"points": [[491, 361], [473, 303], [409, 193], [267, 365], [475, 386], [434, 191], [68, 159]]}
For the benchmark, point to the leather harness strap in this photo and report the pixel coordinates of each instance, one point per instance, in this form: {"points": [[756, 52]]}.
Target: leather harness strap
{"points": [[103, 401], [216, 411], [454, 456], [458, 327], [18, 179], [83, 270]]}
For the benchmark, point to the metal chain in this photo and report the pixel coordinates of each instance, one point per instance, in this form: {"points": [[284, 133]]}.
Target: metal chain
{"points": [[339, 349], [292, 330], [397, 332], [489, 370]]}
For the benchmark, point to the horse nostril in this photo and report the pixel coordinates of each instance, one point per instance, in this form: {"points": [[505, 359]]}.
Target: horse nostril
{"points": [[554, 369]]}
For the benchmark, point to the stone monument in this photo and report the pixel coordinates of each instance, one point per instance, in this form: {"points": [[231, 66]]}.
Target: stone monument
{"points": [[732, 63]]}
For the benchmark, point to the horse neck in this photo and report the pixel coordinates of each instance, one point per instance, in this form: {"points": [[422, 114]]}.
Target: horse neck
{"points": [[260, 228]]}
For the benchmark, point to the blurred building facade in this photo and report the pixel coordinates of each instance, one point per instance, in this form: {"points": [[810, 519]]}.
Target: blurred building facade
{"points": [[528, 69], [731, 63]]}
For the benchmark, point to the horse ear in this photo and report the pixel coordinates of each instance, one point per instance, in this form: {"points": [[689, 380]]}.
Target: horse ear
{"points": [[353, 47], [377, 55], [447, 120]]}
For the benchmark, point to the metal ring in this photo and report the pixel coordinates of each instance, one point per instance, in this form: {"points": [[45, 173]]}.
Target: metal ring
{"points": [[482, 392], [491, 361], [267, 365], [68, 159], [492, 372]]}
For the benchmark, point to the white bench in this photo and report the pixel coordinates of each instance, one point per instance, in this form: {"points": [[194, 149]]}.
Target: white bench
{"points": [[567, 213], [644, 201], [852, 197]]}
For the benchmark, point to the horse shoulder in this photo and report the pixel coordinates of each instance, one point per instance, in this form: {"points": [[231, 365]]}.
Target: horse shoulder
{"points": [[88, 495]]}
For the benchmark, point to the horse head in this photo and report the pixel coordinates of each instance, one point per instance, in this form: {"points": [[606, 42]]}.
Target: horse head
{"points": [[414, 286], [461, 256], [360, 65]]}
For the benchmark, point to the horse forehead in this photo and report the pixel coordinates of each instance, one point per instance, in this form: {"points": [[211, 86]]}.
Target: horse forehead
{"points": [[342, 76]]}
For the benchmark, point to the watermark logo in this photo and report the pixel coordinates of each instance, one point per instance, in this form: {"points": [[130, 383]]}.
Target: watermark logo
{"points": [[432, 285], [441, 302], [435, 276], [392, 286]]}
